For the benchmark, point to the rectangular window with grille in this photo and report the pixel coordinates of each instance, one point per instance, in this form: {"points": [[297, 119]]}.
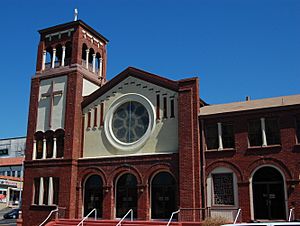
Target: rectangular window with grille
{"points": [[212, 136], [272, 131], [223, 190], [254, 133]]}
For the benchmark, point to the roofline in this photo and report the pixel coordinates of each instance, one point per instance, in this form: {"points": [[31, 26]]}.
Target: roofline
{"points": [[12, 138], [77, 22], [138, 73], [249, 111]]}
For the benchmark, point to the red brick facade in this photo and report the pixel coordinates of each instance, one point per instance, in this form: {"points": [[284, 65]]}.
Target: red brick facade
{"points": [[244, 160], [189, 167]]}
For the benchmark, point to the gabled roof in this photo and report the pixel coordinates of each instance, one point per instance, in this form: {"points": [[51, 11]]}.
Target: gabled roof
{"points": [[250, 105], [136, 73]]}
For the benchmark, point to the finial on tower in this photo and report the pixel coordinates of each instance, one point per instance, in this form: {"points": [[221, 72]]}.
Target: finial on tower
{"points": [[75, 14]]}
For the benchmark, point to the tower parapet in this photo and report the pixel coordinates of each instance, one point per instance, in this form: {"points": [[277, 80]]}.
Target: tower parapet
{"points": [[72, 44]]}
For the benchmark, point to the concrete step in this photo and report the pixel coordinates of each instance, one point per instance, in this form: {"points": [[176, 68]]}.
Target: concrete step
{"points": [[74, 222]]}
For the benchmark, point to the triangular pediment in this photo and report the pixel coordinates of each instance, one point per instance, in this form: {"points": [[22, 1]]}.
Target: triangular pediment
{"points": [[134, 73]]}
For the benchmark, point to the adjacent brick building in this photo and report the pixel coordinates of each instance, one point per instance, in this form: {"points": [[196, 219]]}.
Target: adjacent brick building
{"points": [[147, 143]]}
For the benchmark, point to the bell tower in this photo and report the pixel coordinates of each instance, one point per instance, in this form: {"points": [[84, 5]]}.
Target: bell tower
{"points": [[71, 64]]}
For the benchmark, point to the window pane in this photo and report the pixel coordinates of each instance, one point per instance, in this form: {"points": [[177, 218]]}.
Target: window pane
{"points": [[227, 135], [39, 144], [254, 133], [272, 131], [36, 190], [223, 189], [55, 190], [212, 136], [46, 190]]}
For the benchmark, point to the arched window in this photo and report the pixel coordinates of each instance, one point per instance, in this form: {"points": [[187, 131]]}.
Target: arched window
{"points": [[58, 55], [91, 53], [48, 57], [98, 64], [39, 136], [60, 141], [163, 196], [93, 195], [68, 55], [126, 195], [49, 143], [83, 54]]}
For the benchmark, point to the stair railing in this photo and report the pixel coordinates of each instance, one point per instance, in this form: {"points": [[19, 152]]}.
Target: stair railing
{"points": [[237, 215], [47, 218], [172, 215], [291, 214], [86, 217], [123, 218]]}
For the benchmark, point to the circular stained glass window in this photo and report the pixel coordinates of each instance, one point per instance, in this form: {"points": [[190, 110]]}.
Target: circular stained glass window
{"points": [[130, 122]]}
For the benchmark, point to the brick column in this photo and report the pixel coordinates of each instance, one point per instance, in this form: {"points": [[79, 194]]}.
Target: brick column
{"points": [[108, 202], [143, 203], [244, 200], [189, 149]]}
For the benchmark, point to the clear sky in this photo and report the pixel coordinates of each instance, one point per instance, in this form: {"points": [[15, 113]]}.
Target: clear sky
{"points": [[237, 48]]}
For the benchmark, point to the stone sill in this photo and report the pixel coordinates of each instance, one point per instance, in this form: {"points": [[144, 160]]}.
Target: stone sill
{"points": [[223, 150], [265, 147]]}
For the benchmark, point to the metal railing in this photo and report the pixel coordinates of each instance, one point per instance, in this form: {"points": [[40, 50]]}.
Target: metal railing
{"points": [[123, 218], [172, 215], [86, 217], [47, 218], [237, 215], [291, 214]]}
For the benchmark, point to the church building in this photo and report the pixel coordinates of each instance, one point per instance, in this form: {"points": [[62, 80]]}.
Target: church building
{"points": [[144, 142]]}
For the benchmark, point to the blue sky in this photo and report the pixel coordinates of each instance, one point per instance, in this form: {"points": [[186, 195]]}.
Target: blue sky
{"points": [[237, 48]]}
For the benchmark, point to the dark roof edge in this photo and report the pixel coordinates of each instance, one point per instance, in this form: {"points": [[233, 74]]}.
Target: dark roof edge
{"points": [[12, 138], [78, 22]]}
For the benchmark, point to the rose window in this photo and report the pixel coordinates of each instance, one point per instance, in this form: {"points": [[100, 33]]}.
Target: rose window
{"points": [[130, 122]]}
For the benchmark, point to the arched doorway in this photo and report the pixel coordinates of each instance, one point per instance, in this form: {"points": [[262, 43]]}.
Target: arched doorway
{"points": [[268, 194], [126, 195], [163, 196], [93, 195]]}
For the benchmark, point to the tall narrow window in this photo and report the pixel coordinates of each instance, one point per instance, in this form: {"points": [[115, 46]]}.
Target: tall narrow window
{"points": [[49, 143], [298, 129], [212, 136], [36, 191], [60, 142], [165, 108], [254, 133], [102, 114], [272, 131], [158, 106], [46, 190], [227, 135], [95, 116], [172, 108], [55, 190], [89, 120]]}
